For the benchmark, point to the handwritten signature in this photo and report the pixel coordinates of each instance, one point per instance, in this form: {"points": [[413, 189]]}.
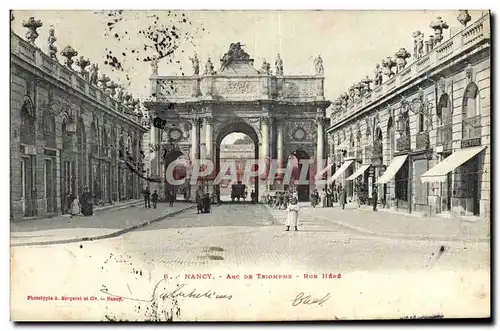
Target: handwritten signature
{"points": [[303, 299], [180, 291]]}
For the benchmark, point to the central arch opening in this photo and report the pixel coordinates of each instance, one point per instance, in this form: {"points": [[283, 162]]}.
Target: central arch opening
{"points": [[236, 144]]}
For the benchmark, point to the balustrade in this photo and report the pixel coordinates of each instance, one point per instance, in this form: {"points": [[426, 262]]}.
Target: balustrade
{"points": [[65, 75]]}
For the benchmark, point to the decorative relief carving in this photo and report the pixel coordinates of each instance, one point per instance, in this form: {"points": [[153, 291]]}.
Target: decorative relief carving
{"points": [[175, 88], [236, 87], [469, 73], [300, 89], [300, 131], [442, 85]]}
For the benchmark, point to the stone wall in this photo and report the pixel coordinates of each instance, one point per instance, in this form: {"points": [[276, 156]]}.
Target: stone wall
{"points": [[49, 104]]}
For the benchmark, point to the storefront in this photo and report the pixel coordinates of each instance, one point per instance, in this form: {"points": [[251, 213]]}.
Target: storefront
{"points": [[399, 169], [464, 168]]}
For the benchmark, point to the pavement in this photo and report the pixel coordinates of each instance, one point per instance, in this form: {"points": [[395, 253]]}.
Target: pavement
{"points": [[390, 224], [102, 225], [106, 224], [382, 276]]}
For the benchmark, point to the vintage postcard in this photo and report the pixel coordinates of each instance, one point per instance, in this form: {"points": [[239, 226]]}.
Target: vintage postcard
{"points": [[195, 165]]}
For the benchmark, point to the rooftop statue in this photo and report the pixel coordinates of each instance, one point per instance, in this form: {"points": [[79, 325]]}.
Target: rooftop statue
{"points": [[52, 48], [196, 64], [279, 65], [318, 66]]}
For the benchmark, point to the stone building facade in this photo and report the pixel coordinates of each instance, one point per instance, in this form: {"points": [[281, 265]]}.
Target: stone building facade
{"points": [[70, 129], [422, 133]]}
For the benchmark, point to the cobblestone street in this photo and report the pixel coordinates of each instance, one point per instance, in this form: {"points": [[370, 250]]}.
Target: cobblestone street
{"points": [[251, 239], [254, 234]]}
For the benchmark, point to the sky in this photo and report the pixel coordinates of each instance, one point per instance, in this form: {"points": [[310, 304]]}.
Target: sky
{"points": [[351, 43]]}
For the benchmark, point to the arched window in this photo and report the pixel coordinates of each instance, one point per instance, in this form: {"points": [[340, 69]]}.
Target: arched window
{"points": [[27, 123], [82, 154], [471, 100], [390, 137], [471, 112], [49, 129], [94, 141], [444, 110], [377, 142], [105, 142], [65, 136]]}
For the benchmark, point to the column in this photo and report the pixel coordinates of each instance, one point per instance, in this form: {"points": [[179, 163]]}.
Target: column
{"points": [[209, 144], [264, 149], [208, 137], [320, 142], [195, 140], [264, 126], [279, 134]]}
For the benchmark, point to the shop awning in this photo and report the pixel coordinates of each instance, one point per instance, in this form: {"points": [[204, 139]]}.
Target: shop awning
{"points": [[340, 171], [358, 172], [439, 171], [392, 169]]}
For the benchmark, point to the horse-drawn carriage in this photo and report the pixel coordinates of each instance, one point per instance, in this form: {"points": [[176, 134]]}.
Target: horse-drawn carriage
{"points": [[203, 203], [238, 191]]}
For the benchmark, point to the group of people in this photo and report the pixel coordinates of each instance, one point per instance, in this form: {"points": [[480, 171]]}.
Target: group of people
{"points": [[328, 196], [203, 202], [153, 197], [281, 199], [338, 194], [84, 207]]}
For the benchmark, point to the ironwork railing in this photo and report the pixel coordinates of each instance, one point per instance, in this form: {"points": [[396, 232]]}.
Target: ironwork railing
{"points": [[50, 139], [444, 136], [471, 127], [368, 152], [359, 153], [403, 144], [351, 153], [377, 149], [422, 141]]}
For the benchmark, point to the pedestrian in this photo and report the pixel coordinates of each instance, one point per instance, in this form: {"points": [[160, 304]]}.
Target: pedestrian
{"points": [[147, 197], [329, 197], [375, 197], [314, 198], [199, 201], [154, 198], [75, 207], [171, 198], [323, 198], [253, 196], [292, 214], [86, 206], [343, 196]]}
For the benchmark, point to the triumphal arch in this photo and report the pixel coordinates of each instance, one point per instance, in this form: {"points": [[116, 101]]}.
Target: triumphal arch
{"points": [[284, 115]]}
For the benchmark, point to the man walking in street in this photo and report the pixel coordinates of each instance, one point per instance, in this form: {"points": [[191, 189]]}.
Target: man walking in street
{"points": [[154, 197], [375, 197], [147, 196], [343, 196], [171, 198]]}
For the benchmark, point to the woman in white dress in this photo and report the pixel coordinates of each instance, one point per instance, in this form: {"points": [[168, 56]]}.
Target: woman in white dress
{"points": [[322, 196], [292, 217], [75, 207]]}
